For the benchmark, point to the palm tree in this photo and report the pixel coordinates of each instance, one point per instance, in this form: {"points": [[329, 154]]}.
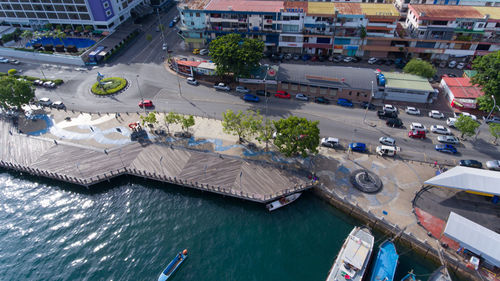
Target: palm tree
{"points": [[27, 35]]}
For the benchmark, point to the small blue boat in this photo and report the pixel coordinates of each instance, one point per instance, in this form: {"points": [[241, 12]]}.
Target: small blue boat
{"points": [[385, 263], [409, 277], [173, 265]]}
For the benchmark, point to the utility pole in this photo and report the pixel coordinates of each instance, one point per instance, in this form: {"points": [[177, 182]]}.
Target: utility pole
{"points": [[160, 26], [140, 93], [368, 105], [267, 98]]}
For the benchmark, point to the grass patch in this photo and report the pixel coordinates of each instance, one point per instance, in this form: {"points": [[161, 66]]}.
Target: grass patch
{"points": [[111, 86]]}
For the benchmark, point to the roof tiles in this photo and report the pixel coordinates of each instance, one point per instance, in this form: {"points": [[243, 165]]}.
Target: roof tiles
{"points": [[462, 88], [245, 5]]}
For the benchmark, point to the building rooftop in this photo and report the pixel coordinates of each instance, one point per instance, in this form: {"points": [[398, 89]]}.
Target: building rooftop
{"points": [[368, 9], [188, 63], [445, 12], [462, 88], [327, 76], [384, 10], [193, 4], [320, 8], [245, 6], [397, 80], [493, 12]]}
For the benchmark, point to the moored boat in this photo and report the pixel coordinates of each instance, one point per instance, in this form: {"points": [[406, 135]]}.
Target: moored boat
{"points": [[283, 201], [440, 275], [173, 265], [353, 257], [385, 263], [409, 277]]}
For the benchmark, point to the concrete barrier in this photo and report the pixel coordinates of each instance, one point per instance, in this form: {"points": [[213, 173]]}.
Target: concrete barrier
{"points": [[50, 58]]}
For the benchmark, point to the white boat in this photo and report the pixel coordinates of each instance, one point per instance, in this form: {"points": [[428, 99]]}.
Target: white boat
{"points": [[353, 258], [283, 201]]}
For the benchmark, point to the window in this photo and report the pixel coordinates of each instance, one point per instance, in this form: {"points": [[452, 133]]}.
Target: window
{"points": [[290, 28], [303, 87], [197, 15], [105, 5], [108, 13], [350, 93], [284, 86], [192, 23], [294, 86]]}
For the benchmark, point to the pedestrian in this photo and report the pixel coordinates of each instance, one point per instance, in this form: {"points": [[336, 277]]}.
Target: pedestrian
{"points": [[435, 164]]}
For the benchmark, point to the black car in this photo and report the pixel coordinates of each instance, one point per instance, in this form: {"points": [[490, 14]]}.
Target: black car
{"points": [[321, 100], [380, 61], [382, 114], [471, 164], [389, 62], [368, 105], [394, 122], [262, 93], [322, 58]]}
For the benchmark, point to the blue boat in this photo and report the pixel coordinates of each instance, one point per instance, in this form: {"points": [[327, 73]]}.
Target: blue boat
{"points": [[173, 265], [409, 277], [385, 263]]}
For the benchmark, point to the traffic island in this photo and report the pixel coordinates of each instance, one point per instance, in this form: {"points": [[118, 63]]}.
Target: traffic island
{"points": [[109, 86]]}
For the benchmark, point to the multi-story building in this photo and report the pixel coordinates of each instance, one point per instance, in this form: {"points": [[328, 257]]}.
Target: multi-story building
{"points": [[402, 5], [101, 14]]}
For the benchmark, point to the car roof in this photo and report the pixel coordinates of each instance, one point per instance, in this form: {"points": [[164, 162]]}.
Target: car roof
{"points": [[331, 139], [435, 111], [44, 99], [416, 124]]}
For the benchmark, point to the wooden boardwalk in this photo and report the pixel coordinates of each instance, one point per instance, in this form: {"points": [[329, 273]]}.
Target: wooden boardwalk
{"points": [[87, 166]]}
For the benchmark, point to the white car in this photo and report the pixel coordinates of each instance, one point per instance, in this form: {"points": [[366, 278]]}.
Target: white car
{"points": [[451, 121], [460, 65], [16, 62], [465, 114], [493, 165], [452, 64], [164, 47], [300, 96], [436, 114], [438, 129], [242, 90], [192, 81], [58, 104], [387, 141], [417, 127], [412, 110], [348, 59], [372, 60], [330, 142], [3, 60], [390, 108], [204, 52], [49, 84], [44, 102], [448, 139]]}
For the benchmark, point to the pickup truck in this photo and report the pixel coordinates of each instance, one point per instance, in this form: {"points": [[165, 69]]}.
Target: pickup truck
{"points": [[222, 87], [382, 114]]}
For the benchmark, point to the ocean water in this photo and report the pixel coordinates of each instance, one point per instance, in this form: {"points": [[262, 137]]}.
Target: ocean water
{"points": [[130, 229]]}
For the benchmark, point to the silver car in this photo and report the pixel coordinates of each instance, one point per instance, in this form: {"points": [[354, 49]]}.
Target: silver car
{"points": [[493, 165], [412, 110], [387, 141], [192, 81], [448, 139], [242, 89], [438, 129], [302, 97]]}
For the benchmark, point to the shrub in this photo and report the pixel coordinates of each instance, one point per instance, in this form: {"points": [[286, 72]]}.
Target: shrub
{"points": [[3, 74], [30, 78], [12, 72], [58, 82], [115, 84]]}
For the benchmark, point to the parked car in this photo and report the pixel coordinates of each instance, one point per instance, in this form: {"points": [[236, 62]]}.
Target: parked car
{"points": [[452, 75], [192, 81], [390, 108], [385, 150], [348, 59], [242, 90], [49, 84], [164, 47], [338, 58], [44, 102], [442, 64], [418, 127], [38, 82], [222, 87], [372, 60], [251, 98], [438, 129], [448, 139], [3, 60], [415, 134], [12, 61], [204, 52], [306, 57], [461, 65], [452, 64], [176, 19], [492, 119], [389, 62], [321, 100], [171, 24], [451, 121], [58, 105], [357, 146], [436, 114], [412, 110], [344, 102], [146, 103], [282, 95], [470, 163], [302, 97], [368, 105], [330, 142], [446, 148], [394, 122], [387, 141], [296, 57], [493, 165], [288, 56], [382, 114], [263, 93], [465, 114], [196, 51]]}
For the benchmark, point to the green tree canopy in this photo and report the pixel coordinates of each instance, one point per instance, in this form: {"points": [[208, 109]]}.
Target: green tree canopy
{"points": [[420, 67], [495, 130], [241, 124], [149, 37], [297, 135], [187, 122], [15, 93], [149, 119], [234, 54], [265, 132], [79, 28], [488, 74], [485, 103], [466, 125], [171, 118]]}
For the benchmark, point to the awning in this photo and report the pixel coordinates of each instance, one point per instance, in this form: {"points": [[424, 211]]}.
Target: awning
{"points": [[469, 179]]}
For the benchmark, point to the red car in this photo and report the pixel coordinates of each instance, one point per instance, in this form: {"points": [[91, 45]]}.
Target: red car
{"points": [[282, 95], [416, 134], [146, 103]]}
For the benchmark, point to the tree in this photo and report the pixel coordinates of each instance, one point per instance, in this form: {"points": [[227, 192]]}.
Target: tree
{"points": [[60, 27], [48, 26], [495, 131], [79, 28], [488, 76], [234, 54], [297, 135], [420, 67], [89, 27], [149, 37], [15, 93], [67, 27], [187, 122], [241, 124], [27, 34], [266, 132], [12, 72], [466, 125], [149, 119], [485, 103], [171, 118]]}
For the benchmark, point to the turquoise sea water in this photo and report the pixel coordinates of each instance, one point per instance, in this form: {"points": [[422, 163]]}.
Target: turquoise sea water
{"points": [[130, 229]]}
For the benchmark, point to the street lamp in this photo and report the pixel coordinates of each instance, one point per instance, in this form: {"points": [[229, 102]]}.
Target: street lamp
{"points": [[267, 98], [368, 105]]}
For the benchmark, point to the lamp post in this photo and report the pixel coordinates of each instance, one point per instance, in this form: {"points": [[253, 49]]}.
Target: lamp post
{"points": [[140, 93], [489, 115], [368, 105], [267, 98]]}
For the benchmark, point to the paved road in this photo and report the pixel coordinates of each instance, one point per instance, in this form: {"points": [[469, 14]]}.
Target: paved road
{"points": [[142, 65]]}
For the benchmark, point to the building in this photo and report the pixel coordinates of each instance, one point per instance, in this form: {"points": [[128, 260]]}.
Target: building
{"points": [[402, 5], [332, 82], [103, 15], [405, 87], [460, 92]]}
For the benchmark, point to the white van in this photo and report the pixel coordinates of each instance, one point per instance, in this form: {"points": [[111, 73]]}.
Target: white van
{"points": [[385, 150], [451, 121]]}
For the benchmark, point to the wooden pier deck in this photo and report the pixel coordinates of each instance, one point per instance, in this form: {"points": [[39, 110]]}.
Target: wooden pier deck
{"points": [[87, 166]]}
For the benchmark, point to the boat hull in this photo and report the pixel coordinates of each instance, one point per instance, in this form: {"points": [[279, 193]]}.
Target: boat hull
{"points": [[385, 263], [282, 201], [172, 266]]}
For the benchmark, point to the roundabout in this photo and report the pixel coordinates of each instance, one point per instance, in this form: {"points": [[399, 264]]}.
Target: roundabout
{"points": [[109, 86]]}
